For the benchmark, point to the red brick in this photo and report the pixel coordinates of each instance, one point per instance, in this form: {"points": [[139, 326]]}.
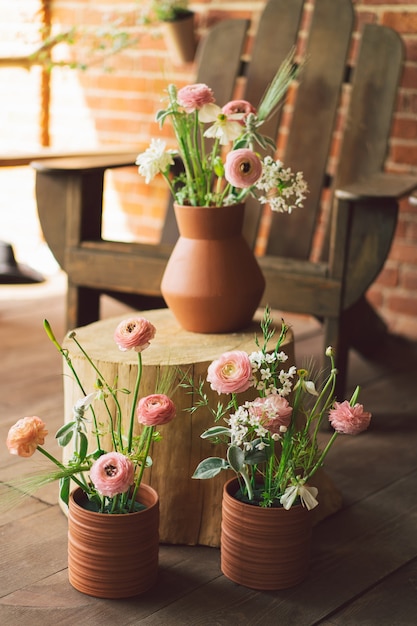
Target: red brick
{"points": [[409, 75], [409, 279], [388, 277], [401, 21], [404, 253], [405, 127], [404, 153], [403, 304]]}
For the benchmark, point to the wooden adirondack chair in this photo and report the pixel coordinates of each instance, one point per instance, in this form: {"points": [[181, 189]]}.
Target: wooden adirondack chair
{"points": [[364, 198]]}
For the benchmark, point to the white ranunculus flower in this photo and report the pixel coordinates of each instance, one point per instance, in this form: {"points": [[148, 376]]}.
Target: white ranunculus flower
{"points": [[154, 160]]}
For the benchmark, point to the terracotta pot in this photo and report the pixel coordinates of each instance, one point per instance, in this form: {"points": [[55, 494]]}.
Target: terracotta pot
{"points": [[212, 282], [263, 548], [113, 556], [180, 38]]}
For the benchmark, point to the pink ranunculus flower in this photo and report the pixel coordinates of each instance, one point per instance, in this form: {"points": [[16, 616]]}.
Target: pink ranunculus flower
{"points": [[25, 436], [134, 333], [193, 97], [239, 106], [273, 411], [349, 420], [112, 473], [242, 168], [231, 373], [155, 410]]}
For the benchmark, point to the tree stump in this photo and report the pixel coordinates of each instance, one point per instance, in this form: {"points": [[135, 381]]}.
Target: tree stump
{"points": [[190, 509]]}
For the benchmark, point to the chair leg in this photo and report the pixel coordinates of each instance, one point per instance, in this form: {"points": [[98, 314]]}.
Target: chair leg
{"points": [[366, 330], [83, 306]]}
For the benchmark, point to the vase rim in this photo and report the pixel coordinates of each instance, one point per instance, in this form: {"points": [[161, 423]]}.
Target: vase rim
{"points": [[213, 206]]}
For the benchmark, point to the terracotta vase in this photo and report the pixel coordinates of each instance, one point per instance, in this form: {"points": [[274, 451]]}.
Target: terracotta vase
{"points": [[212, 282], [263, 548], [180, 38], [113, 556]]}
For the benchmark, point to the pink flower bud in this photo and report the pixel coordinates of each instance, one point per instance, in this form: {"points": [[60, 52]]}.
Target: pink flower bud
{"points": [[239, 106], [155, 410]]}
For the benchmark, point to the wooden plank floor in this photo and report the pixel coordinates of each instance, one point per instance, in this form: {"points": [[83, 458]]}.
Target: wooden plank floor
{"points": [[364, 558]]}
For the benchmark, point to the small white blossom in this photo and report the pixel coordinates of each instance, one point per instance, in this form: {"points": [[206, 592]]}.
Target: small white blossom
{"points": [[154, 160], [283, 190], [266, 373]]}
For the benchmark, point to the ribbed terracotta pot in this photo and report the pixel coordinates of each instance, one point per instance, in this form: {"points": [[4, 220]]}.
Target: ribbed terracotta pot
{"points": [[212, 282], [113, 556], [263, 548]]}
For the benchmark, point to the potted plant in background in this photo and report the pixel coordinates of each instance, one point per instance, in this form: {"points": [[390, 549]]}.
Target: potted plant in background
{"points": [[273, 447], [179, 28], [113, 518], [212, 282]]}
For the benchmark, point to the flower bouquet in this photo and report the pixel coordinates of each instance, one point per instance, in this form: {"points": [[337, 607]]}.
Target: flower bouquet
{"points": [[212, 282], [110, 479], [272, 441], [220, 149], [273, 448], [113, 519]]}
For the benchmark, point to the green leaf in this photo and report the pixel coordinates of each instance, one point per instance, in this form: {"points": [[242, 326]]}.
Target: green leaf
{"points": [[218, 167], [97, 454], [240, 143], [255, 456], [66, 438], [83, 447], [64, 489], [236, 458], [210, 467], [215, 431], [64, 429]]}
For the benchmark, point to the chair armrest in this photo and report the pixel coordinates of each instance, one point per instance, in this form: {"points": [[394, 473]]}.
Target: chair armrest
{"points": [[87, 162], [380, 185]]}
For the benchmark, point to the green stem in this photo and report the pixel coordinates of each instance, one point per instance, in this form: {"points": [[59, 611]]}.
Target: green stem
{"points": [[65, 354], [134, 401], [62, 467], [244, 474], [322, 456], [104, 382], [149, 432]]}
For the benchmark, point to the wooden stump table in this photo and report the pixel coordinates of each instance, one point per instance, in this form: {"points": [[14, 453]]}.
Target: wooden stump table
{"points": [[190, 509]]}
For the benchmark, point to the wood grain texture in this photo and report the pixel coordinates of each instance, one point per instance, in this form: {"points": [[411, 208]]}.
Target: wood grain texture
{"points": [[363, 565]]}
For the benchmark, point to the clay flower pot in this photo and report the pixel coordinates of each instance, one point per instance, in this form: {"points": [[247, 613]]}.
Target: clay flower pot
{"points": [[263, 548], [212, 282], [180, 37], [113, 556]]}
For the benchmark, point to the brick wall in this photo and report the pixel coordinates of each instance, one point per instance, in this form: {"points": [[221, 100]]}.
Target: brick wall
{"points": [[115, 102]]}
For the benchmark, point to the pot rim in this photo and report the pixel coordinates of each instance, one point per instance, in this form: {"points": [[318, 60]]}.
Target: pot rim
{"points": [[78, 493]]}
